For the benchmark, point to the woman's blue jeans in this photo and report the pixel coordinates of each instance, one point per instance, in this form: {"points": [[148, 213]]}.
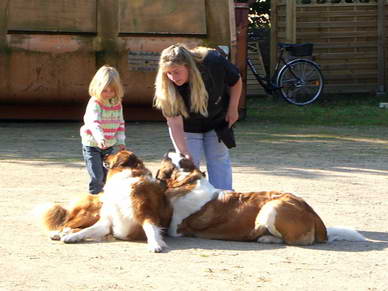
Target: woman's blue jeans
{"points": [[219, 168], [94, 158]]}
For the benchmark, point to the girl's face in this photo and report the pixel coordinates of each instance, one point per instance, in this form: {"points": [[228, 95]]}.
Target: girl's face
{"points": [[178, 74], [108, 93]]}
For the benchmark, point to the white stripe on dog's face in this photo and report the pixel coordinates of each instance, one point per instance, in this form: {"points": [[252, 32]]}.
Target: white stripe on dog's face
{"points": [[175, 158]]}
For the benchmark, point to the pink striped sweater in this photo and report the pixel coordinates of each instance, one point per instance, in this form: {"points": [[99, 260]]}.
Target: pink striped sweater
{"points": [[103, 123]]}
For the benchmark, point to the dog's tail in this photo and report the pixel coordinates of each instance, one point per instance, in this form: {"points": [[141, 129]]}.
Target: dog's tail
{"points": [[344, 233], [51, 216]]}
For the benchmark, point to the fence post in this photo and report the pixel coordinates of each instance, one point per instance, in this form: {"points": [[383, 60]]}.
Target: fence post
{"points": [[274, 36], [108, 18], [381, 47], [291, 21], [241, 11], [4, 6]]}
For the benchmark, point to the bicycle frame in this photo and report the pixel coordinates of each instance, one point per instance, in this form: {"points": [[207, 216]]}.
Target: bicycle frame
{"points": [[266, 82]]}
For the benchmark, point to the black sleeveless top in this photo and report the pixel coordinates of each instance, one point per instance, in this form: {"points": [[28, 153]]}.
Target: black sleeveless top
{"points": [[218, 75]]}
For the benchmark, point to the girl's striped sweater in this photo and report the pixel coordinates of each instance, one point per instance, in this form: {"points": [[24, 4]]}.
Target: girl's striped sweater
{"points": [[103, 123]]}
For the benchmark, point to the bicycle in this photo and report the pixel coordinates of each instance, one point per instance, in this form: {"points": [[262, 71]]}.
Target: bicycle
{"points": [[299, 80]]}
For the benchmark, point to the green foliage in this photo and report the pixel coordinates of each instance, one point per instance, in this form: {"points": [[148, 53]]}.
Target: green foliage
{"points": [[259, 11], [340, 111]]}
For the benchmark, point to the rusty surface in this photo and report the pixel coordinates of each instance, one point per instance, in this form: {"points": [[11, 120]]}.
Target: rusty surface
{"points": [[170, 17], [56, 16], [242, 10], [47, 59]]}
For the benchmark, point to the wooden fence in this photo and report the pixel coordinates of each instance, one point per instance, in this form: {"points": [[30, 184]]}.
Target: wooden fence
{"points": [[350, 40]]}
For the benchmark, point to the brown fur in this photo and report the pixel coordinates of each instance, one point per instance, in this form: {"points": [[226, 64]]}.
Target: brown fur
{"points": [[125, 160], [135, 208], [235, 216], [82, 212], [149, 202]]}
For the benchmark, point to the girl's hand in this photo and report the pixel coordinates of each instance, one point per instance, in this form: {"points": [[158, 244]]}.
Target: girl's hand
{"points": [[121, 147], [102, 145]]}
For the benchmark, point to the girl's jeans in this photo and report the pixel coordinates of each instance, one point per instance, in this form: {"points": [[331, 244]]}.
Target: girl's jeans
{"points": [[94, 158], [218, 163]]}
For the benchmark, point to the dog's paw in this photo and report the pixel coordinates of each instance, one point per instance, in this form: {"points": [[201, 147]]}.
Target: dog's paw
{"points": [[70, 238], [269, 239], [55, 235], [156, 247]]}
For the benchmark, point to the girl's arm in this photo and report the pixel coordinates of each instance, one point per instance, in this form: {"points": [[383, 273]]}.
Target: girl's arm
{"points": [[235, 93], [120, 134], [92, 119], [177, 135]]}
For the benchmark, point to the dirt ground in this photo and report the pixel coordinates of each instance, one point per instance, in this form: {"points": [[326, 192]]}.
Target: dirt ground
{"points": [[341, 172]]}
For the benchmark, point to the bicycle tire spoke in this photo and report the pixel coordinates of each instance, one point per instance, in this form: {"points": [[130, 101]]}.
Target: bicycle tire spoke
{"points": [[300, 82]]}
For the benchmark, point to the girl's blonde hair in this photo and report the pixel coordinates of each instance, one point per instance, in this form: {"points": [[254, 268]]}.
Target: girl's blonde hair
{"points": [[166, 96], [104, 77]]}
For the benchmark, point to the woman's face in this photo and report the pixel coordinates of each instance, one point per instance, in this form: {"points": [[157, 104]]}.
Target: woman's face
{"points": [[108, 93], [178, 74]]}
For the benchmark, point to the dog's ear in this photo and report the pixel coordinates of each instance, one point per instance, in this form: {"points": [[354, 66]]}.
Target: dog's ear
{"points": [[187, 165], [165, 172], [129, 159], [124, 159]]}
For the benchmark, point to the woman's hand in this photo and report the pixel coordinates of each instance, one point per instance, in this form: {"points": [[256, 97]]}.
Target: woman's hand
{"points": [[231, 116], [235, 93], [177, 135]]}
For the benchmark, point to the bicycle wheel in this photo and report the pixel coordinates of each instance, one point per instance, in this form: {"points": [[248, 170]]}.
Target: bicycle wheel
{"points": [[300, 82]]}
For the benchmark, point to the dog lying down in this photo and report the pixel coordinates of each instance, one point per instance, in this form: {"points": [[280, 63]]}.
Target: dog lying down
{"points": [[132, 207], [202, 211]]}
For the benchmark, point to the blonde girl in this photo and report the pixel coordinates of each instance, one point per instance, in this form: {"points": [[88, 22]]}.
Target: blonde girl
{"points": [[198, 92], [104, 126]]}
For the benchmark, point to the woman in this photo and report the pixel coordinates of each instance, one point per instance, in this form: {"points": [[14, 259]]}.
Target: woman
{"points": [[198, 92]]}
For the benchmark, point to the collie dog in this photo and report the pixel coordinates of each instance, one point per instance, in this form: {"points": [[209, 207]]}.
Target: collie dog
{"points": [[80, 213], [200, 210], [132, 207]]}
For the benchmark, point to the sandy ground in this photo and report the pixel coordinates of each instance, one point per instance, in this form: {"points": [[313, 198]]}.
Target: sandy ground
{"points": [[341, 172]]}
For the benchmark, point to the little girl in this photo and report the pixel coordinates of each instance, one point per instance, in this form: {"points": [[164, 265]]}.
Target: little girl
{"points": [[104, 126]]}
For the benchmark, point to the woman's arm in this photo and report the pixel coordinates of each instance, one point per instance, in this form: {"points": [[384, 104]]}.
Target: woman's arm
{"points": [[177, 134], [235, 93]]}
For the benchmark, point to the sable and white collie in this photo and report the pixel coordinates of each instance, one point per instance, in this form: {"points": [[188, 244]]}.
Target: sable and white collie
{"points": [[200, 210], [133, 206], [80, 213]]}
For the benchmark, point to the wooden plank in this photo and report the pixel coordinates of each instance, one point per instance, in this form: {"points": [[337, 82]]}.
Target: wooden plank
{"points": [[166, 17], [350, 34], [336, 5], [332, 14], [274, 36], [353, 44], [337, 24], [381, 51], [348, 66], [347, 56], [291, 22], [52, 16], [254, 54]]}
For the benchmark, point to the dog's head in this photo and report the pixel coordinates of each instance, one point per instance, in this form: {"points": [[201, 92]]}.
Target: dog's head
{"points": [[126, 160], [174, 167]]}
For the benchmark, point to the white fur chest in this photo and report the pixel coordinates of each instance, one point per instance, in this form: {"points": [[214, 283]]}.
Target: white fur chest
{"points": [[117, 194], [190, 203]]}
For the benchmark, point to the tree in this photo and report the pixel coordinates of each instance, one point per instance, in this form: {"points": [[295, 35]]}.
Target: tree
{"points": [[259, 11]]}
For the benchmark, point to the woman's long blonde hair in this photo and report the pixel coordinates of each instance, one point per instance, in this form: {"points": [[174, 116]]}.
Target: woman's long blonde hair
{"points": [[166, 96], [104, 77]]}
